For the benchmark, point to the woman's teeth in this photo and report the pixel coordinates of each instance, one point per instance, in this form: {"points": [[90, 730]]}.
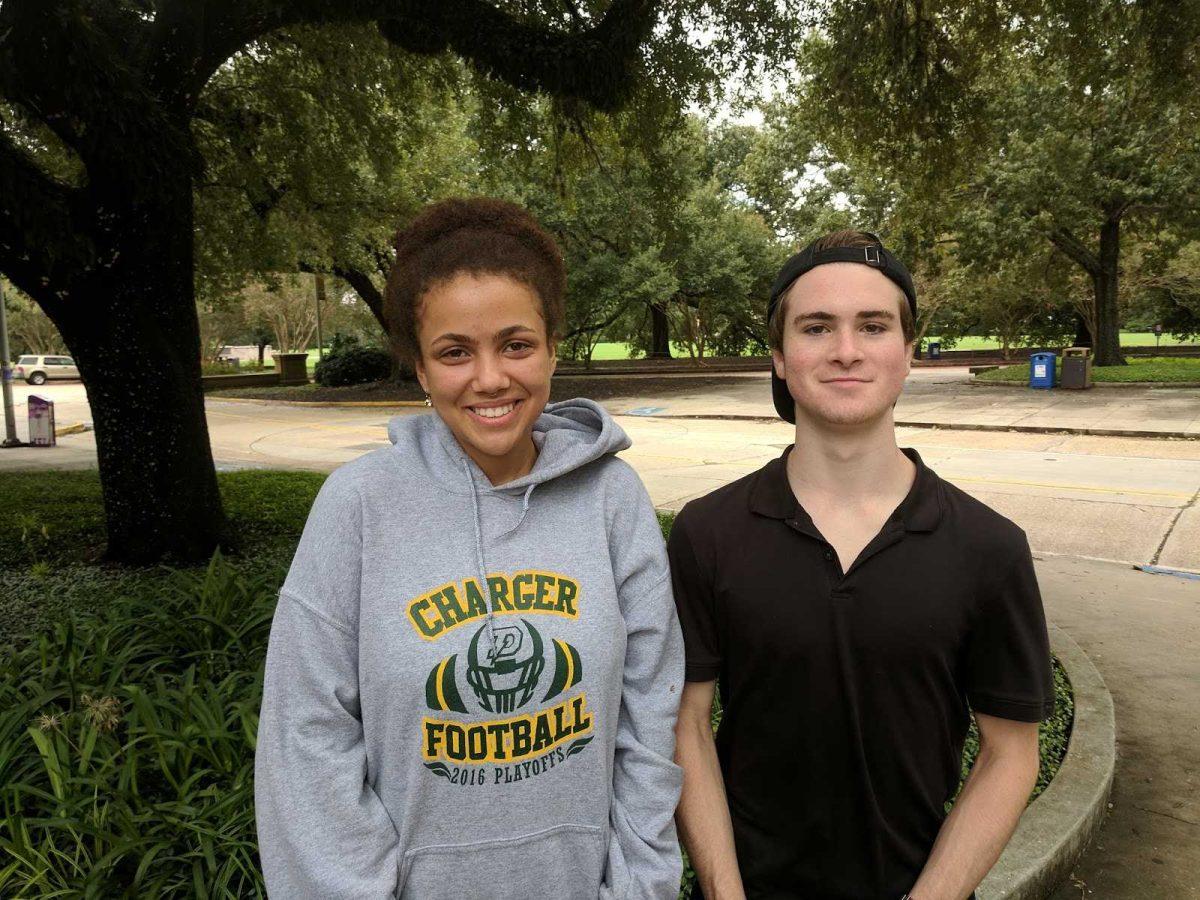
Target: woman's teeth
{"points": [[493, 412]]}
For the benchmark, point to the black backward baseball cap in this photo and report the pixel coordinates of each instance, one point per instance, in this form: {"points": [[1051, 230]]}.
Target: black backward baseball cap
{"points": [[876, 256]]}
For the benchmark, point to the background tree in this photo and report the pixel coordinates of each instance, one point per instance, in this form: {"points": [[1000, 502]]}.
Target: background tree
{"points": [[1066, 121], [29, 329], [101, 105]]}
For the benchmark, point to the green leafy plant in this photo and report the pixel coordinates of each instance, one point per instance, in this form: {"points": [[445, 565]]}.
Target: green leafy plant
{"points": [[354, 365], [127, 743]]}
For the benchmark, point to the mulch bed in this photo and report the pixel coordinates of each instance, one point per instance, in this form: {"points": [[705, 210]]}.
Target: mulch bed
{"points": [[563, 387]]}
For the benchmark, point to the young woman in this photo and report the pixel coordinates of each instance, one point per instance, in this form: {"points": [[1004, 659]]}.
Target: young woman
{"points": [[475, 665]]}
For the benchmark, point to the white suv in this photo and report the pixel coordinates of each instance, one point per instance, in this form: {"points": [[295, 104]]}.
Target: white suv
{"points": [[37, 369]]}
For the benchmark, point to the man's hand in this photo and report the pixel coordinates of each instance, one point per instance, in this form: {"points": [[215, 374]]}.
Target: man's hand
{"points": [[703, 814]]}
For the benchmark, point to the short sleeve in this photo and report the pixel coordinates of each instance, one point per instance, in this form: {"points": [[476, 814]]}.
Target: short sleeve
{"points": [[695, 604], [1008, 656]]}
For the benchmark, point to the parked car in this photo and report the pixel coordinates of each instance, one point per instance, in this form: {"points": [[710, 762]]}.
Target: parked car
{"points": [[38, 369]]}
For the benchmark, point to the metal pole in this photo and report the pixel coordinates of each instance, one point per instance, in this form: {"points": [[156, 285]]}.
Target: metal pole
{"points": [[319, 284], [10, 420]]}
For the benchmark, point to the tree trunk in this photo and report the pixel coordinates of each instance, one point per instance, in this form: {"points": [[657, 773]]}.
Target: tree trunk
{"points": [[133, 331], [1083, 334], [1107, 351], [660, 332]]}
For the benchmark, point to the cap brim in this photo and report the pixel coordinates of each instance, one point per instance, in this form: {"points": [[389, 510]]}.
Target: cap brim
{"points": [[785, 405]]}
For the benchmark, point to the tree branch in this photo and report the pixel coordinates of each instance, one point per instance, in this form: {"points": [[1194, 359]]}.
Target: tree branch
{"points": [[38, 242], [75, 69], [597, 326], [595, 65], [362, 284], [1074, 249]]}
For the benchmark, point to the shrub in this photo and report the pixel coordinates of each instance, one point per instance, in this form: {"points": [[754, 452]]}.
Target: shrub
{"points": [[127, 743], [354, 365]]}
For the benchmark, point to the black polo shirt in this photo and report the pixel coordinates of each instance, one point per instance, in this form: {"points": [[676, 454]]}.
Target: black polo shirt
{"points": [[846, 695]]}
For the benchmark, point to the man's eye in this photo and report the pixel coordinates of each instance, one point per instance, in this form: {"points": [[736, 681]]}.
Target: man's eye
{"points": [[816, 329], [875, 328]]}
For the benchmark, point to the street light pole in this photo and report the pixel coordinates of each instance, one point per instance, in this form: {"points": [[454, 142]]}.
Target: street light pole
{"points": [[319, 285], [10, 420]]}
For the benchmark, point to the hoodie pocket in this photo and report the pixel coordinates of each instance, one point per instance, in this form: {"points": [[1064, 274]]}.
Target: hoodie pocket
{"points": [[566, 861]]}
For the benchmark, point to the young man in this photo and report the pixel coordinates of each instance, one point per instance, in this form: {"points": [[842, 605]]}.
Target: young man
{"points": [[855, 608]]}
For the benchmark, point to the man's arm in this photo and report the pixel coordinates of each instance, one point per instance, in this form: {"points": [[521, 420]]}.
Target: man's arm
{"points": [[703, 814], [986, 812]]}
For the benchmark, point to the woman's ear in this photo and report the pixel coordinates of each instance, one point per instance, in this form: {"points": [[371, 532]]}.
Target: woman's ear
{"points": [[422, 378]]}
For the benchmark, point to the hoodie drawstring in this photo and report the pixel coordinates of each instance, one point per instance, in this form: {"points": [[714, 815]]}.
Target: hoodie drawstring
{"points": [[484, 587]]}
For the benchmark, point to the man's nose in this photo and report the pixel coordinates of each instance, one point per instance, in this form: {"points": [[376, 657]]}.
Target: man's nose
{"points": [[847, 348]]}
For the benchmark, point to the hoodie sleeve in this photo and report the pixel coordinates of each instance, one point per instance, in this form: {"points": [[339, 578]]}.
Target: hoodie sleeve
{"points": [[643, 856], [322, 830]]}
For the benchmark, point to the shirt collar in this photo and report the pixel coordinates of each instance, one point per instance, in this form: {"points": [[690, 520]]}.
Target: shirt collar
{"points": [[921, 509]]}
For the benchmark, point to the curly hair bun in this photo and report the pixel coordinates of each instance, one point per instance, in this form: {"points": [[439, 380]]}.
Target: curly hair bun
{"points": [[477, 235]]}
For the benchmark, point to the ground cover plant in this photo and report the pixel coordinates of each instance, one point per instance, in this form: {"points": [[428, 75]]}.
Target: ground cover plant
{"points": [[1164, 369], [129, 697]]}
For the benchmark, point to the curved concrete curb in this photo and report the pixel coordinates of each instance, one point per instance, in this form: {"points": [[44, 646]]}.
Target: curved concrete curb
{"points": [[1060, 824]]}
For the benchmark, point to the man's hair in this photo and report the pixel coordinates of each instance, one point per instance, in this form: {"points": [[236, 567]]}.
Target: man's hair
{"points": [[844, 238], [480, 236]]}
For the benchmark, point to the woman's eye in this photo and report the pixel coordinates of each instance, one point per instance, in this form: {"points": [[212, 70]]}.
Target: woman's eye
{"points": [[518, 346], [453, 353], [816, 329]]}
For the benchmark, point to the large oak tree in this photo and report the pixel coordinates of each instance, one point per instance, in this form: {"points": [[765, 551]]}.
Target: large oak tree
{"points": [[98, 167]]}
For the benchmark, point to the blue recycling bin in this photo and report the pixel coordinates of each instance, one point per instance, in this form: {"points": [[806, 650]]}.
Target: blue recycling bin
{"points": [[1041, 370], [935, 350]]}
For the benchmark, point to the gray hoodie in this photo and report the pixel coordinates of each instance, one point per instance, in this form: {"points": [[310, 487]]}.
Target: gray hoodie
{"points": [[471, 690]]}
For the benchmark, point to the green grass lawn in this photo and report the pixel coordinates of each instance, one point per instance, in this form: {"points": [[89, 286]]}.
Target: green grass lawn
{"points": [[1128, 339], [129, 697], [1152, 368], [618, 350]]}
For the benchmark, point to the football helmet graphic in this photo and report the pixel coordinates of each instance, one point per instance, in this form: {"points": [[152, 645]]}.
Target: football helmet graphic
{"points": [[505, 673]]}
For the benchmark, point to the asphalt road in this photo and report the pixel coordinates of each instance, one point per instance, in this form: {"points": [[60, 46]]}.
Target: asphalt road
{"points": [[1129, 500]]}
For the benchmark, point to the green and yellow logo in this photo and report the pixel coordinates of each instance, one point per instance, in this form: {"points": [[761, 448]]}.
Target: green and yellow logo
{"points": [[504, 674], [506, 740], [502, 671], [443, 609]]}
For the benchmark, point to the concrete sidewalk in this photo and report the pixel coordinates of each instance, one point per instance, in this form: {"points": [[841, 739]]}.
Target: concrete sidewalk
{"points": [[1142, 632], [946, 398]]}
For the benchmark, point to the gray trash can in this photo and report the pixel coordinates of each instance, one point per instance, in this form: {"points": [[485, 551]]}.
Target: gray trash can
{"points": [[1076, 371]]}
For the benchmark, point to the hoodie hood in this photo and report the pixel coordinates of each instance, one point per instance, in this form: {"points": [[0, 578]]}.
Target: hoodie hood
{"points": [[568, 435]]}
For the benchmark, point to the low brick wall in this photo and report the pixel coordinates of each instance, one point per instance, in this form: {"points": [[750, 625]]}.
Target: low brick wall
{"points": [[248, 379]]}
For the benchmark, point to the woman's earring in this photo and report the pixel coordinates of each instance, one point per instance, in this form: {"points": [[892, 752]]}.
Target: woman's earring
{"points": [[428, 401]]}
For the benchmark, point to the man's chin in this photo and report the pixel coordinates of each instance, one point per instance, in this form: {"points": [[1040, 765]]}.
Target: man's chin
{"points": [[845, 416]]}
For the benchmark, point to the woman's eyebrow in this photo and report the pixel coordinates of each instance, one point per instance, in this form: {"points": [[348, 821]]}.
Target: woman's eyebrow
{"points": [[511, 330], [454, 338]]}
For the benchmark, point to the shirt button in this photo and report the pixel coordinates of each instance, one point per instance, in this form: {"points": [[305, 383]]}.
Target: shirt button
{"points": [[829, 554]]}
